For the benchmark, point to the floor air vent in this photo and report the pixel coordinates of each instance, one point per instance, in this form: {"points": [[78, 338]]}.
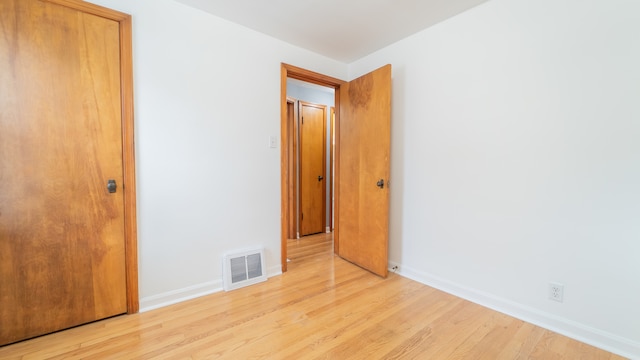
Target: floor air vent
{"points": [[243, 269]]}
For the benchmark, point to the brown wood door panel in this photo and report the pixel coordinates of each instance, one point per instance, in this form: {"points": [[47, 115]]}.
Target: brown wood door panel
{"points": [[362, 208], [62, 235], [312, 168]]}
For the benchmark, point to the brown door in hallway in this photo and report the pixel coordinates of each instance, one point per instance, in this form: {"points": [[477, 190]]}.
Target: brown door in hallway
{"points": [[62, 229], [313, 125], [363, 157]]}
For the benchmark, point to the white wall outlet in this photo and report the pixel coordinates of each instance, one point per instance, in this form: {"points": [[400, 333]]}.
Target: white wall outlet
{"points": [[556, 291]]}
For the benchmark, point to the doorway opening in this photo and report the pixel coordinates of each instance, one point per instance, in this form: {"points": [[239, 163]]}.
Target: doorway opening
{"points": [[290, 217], [362, 163], [309, 115]]}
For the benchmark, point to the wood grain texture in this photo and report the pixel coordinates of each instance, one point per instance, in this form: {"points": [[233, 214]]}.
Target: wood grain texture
{"points": [[364, 159], [332, 144], [286, 190], [323, 308], [292, 166], [64, 99], [128, 158], [93, 9], [313, 160], [299, 73], [128, 143]]}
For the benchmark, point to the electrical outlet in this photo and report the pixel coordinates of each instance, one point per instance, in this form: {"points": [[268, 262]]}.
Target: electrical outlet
{"points": [[556, 292], [394, 268]]}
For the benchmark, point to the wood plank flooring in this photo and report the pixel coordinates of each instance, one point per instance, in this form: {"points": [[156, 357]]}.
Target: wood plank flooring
{"points": [[322, 308]]}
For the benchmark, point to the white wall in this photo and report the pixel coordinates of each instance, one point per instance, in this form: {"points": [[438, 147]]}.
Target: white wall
{"points": [[207, 98], [515, 155], [516, 161]]}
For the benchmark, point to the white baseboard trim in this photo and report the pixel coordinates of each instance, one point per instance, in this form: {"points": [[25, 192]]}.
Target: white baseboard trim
{"points": [[274, 271], [175, 296], [191, 292], [586, 334]]}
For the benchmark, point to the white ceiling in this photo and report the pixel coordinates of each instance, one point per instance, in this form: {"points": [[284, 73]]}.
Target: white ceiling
{"points": [[344, 30]]}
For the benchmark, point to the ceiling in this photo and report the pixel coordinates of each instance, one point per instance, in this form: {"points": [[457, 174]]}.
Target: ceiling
{"points": [[344, 30]]}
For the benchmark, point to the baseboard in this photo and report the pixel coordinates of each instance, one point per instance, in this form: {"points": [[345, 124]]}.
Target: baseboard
{"points": [[176, 296], [274, 270], [586, 334]]}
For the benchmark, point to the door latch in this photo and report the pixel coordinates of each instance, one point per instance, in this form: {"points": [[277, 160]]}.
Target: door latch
{"points": [[320, 177], [380, 184]]}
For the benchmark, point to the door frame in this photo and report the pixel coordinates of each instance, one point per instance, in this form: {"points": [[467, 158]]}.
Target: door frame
{"points": [[292, 168], [286, 187], [332, 145], [128, 154]]}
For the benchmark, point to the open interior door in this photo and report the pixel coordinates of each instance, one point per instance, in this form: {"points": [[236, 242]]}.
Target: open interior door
{"points": [[362, 202]]}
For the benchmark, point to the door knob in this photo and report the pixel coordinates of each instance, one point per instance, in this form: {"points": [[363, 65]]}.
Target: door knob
{"points": [[380, 184], [320, 177], [111, 186]]}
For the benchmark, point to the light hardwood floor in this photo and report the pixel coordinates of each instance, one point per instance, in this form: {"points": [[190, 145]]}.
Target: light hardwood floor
{"points": [[322, 308]]}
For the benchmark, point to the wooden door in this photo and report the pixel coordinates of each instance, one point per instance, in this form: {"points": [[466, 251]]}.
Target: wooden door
{"points": [[313, 125], [62, 233], [362, 201]]}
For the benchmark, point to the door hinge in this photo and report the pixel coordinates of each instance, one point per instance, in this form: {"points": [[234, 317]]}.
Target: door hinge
{"points": [[301, 216], [303, 120]]}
